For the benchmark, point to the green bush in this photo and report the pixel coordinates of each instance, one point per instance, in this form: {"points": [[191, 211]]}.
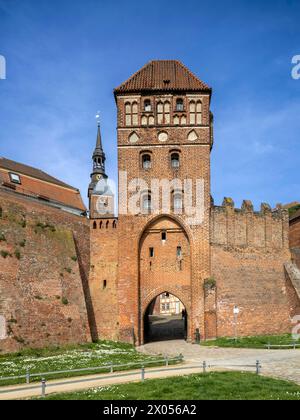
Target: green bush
{"points": [[22, 243], [18, 254], [64, 301], [210, 283], [5, 254]]}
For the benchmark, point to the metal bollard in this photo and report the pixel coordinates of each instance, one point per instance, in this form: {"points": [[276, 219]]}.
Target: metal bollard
{"points": [[27, 377], [111, 368], [143, 373], [204, 367], [197, 336], [44, 388], [258, 367], [167, 360]]}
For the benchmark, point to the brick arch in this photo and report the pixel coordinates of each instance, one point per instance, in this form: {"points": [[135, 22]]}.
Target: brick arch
{"points": [[172, 217], [164, 271], [157, 292]]}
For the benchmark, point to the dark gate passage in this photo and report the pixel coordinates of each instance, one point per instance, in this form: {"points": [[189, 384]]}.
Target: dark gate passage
{"points": [[165, 319]]}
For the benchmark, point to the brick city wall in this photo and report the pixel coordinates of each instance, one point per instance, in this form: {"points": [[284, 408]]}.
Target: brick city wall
{"points": [[295, 240], [249, 250], [103, 277], [44, 267]]}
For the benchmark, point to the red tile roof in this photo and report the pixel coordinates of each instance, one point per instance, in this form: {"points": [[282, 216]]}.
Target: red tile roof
{"points": [[20, 168], [163, 75], [39, 184]]}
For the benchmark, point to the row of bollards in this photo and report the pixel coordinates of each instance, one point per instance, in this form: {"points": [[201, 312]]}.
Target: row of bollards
{"points": [[257, 367]]}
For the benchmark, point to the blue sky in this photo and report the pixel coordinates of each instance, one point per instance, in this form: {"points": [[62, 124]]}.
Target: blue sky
{"points": [[65, 57]]}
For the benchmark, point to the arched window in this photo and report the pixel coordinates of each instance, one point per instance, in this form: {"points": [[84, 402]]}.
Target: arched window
{"points": [[146, 161], [176, 120], [163, 112], [128, 120], [146, 203], [179, 105], [177, 202], [134, 113], [199, 113], [192, 112], [151, 120], [175, 160], [183, 120], [147, 105], [167, 109], [94, 225], [144, 120], [160, 113], [114, 224], [131, 113]]}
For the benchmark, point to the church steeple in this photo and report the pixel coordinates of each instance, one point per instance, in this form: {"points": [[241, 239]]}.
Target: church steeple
{"points": [[99, 156], [100, 195], [98, 163]]}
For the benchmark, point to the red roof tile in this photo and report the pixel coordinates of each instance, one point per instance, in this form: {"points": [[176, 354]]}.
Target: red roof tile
{"points": [[39, 184], [13, 166], [163, 75]]}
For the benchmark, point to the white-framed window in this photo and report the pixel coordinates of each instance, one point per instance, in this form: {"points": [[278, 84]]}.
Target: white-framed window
{"points": [[15, 178]]}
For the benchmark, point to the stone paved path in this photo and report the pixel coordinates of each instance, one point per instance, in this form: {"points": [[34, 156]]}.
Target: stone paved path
{"points": [[284, 364]]}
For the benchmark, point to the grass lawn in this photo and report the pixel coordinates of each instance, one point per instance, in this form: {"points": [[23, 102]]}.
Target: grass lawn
{"points": [[258, 342], [210, 386], [71, 357]]}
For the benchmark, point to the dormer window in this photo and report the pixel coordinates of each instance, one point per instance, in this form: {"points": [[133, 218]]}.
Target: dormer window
{"points": [[15, 178], [179, 105], [147, 106]]}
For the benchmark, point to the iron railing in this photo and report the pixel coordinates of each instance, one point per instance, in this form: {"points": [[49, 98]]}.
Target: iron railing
{"points": [[110, 367]]}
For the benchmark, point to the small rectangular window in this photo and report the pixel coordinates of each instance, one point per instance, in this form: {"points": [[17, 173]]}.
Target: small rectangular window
{"points": [[179, 252], [151, 252], [164, 236], [15, 178]]}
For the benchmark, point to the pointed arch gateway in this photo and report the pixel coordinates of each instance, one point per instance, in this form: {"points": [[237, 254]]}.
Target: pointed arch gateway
{"points": [[164, 280]]}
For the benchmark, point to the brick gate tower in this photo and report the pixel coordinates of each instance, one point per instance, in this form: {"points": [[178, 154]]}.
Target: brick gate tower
{"points": [[164, 134]]}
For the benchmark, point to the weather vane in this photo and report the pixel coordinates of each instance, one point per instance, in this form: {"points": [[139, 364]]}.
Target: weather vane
{"points": [[98, 118]]}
